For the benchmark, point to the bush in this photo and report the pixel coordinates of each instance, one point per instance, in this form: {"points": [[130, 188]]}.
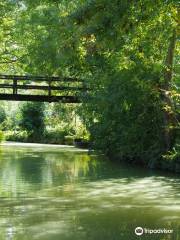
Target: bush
{"points": [[2, 115], [54, 136], [2, 137], [69, 140], [82, 133], [14, 136], [171, 160]]}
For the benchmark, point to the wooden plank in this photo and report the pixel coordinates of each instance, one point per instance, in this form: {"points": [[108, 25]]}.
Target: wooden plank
{"points": [[39, 98], [36, 87], [6, 86], [14, 86], [39, 78], [49, 88]]}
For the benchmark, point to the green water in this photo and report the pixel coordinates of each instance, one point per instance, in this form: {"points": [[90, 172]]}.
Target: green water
{"points": [[55, 193]]}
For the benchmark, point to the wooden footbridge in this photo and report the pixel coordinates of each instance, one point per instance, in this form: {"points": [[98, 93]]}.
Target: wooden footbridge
{"points": [[41, 89]]}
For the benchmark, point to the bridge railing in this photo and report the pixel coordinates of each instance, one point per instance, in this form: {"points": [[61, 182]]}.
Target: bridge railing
{"points": [[69, 87]]}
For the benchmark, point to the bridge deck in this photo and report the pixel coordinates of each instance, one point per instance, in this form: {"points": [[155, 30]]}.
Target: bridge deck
{"points": [[39, 98], [53, 89]]}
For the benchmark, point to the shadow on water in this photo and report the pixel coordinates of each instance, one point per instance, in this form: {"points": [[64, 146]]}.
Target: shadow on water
{"points": [[62, 193]]}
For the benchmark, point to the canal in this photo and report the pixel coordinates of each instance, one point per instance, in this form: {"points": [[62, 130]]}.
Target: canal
{"points": [[62, 193]]}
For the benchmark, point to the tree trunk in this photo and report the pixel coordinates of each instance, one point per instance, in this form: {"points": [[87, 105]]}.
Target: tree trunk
{"points": [[169, 114]]}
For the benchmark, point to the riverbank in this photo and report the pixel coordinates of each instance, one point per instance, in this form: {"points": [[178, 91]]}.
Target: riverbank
{"points": [[43, 146], [166, 163], [57, 138]]}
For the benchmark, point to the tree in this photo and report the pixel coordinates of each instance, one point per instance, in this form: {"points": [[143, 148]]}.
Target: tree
{"points": [[2, 115], [125, 45], [32, 119], [9, 51]]}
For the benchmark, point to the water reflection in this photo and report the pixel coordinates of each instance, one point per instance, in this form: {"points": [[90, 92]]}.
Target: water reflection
{"points": [[61, 193]]}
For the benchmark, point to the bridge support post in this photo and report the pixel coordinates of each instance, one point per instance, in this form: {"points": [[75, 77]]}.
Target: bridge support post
{"points": [[14, 86], [49, 89]]}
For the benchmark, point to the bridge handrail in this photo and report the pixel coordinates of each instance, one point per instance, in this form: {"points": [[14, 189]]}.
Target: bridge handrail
{"points": [[65, 85], [39, 78]]}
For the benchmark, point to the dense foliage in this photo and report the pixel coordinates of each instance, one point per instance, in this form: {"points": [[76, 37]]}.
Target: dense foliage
{"points": [[32, 119], [129, 51], [2, 115], [126, 51]]}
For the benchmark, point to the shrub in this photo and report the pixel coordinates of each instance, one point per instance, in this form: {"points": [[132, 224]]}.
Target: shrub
{"points": [[2, 114], [54, 136], [69, 140], [20, 136], [2, 137]]}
